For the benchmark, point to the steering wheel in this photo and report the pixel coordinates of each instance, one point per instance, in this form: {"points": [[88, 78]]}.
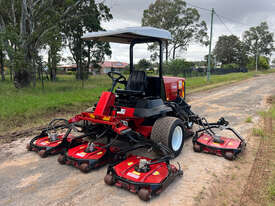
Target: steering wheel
{"points": [[117, 78]]}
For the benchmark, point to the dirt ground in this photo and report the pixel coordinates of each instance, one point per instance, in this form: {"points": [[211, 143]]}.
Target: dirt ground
{"points": [[26, 179]]}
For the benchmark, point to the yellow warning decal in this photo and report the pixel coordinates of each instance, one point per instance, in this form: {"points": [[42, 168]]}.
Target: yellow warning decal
{"points": [[230, 143], [106, 118], [130, 163], [136, 173], [156, 173], [99, 153], [92, 116], [82, 147], [216, 143], [206, 138]]}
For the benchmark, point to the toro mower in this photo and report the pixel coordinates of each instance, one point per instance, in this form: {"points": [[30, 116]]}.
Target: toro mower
{"points": [[142, 175]]}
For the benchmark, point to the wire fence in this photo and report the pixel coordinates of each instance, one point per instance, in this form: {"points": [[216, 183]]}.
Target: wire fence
{"points": [[191, 72]]}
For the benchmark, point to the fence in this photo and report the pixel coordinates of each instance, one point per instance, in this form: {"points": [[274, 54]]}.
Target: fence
{"points": [[196, 72]]}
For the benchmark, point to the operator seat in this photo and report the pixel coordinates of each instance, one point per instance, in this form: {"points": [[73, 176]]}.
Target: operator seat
{"points": [[136, 84]]}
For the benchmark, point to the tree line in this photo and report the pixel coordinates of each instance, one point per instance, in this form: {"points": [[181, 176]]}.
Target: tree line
{"points": [[29, 27], [186, 27]]}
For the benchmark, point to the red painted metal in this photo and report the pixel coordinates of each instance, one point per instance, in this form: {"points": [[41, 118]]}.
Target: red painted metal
{"points": [[172, 88], [104, 104]]}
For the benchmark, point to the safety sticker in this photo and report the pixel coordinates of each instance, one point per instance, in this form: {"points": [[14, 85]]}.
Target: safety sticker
{"points": [[135, 172], [130, 163], [133, 175], [99, 153], [156, 173], [44, 143], [81, 154]]}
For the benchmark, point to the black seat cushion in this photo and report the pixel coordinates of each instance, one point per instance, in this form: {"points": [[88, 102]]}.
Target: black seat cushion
{"points": [[137, 81]]}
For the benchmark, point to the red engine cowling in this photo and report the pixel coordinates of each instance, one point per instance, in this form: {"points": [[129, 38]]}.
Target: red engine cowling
{"points": [[173, 87]]}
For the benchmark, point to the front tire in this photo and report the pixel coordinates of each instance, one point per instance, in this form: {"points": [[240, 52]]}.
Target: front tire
{"points": [[170, 132]]}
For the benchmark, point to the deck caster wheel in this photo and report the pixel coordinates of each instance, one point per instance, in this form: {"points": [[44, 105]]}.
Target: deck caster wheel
{"points": [[109, 180], [197, 148], [144, 194], [28, 147], [229, 156], [62, 159], [42, 153], [84, 167]]}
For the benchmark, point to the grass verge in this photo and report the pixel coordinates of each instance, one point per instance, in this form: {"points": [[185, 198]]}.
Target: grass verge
{"points": [[260, 188]]}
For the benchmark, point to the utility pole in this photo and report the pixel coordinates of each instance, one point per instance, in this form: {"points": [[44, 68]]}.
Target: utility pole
{"points": [[257, 59], [209, 54]]}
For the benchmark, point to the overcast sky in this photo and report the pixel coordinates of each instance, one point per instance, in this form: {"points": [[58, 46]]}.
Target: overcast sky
{"points": [[240, 15]]}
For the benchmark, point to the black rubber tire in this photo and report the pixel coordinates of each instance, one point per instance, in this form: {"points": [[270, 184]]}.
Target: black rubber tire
{"points": [[163, 129], [84, 167], [109, 180], [144, 194], [62, 159], [28, 147], [229, 156], [197, 147], [42, 153]]}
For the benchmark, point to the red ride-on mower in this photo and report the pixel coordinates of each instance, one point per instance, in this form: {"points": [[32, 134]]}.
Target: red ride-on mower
{"points": [[151, 107], [53, 140], [206, 140], [142, 175]]}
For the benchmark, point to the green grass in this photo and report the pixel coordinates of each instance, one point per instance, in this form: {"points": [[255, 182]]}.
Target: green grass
{"points": [[248, 120], [64, 95], [19, 106], [195, 84]]}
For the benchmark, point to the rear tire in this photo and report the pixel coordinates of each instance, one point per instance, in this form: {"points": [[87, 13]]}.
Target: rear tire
{"points": [[144, 194], [170, 132]]}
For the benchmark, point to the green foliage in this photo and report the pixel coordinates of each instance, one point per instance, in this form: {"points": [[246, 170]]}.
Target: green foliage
{"points": [[229, 49], [143, 64], [86, 17], [258, 132], [183, 23], [259, 40], [230, 66], [263, 63], [176, 67], [248, 120]]}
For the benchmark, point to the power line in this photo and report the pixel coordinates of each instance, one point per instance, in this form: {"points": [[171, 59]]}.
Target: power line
{"points": [[233, 20], [223, 23]]}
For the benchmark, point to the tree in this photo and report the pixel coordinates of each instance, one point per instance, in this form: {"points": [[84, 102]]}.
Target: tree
{"points": [[259, 41], [226, 49], [86, 18], [144, 64], [27, 25], [263, 63], [183, 23]]}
